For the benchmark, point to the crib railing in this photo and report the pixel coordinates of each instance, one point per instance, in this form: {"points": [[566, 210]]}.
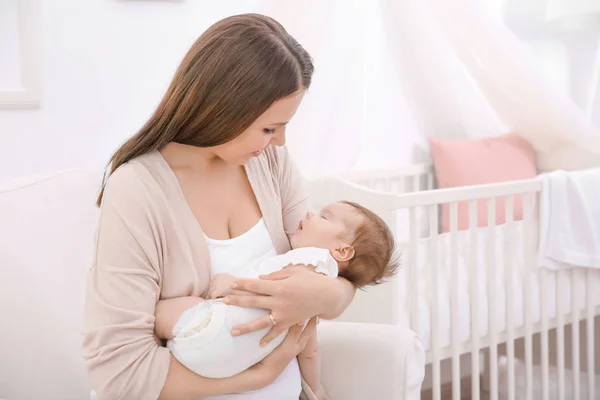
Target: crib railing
{"points": [[486, 197], [547, 307], [410, 178]]}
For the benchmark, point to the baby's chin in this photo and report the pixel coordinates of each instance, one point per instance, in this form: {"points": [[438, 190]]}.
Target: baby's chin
{"points": [[296, 240]]}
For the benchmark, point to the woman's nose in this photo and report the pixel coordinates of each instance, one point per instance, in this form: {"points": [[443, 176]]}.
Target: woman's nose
{"points": [[278, 139]]}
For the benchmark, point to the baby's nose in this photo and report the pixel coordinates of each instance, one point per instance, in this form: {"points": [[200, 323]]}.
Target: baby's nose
{"points": [[309, 215]]}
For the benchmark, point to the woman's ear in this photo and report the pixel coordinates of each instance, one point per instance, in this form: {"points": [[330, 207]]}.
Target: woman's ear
{"points": [[343, 253]]}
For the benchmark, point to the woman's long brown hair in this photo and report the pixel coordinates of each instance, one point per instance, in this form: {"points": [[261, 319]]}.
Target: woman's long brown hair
{"points": [[230, 76]]}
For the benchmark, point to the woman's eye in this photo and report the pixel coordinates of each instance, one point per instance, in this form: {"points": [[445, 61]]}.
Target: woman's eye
{"points": [[269, 131]]}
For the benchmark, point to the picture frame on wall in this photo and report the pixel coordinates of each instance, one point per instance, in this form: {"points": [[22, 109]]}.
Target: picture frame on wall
{"points": [[19, 36]]}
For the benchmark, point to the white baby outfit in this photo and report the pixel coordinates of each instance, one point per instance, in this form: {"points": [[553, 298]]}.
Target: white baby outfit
{"points": [[202, 337]]}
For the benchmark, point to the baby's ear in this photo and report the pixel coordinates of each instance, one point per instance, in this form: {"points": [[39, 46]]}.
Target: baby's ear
{"points": [[343, 253]]}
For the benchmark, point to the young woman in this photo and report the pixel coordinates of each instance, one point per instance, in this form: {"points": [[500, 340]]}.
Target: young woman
{"points": [[208, 172]]}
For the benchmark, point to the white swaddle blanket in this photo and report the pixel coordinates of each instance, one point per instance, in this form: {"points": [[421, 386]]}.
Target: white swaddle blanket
{"points": [[570, 219], [202, 337]]}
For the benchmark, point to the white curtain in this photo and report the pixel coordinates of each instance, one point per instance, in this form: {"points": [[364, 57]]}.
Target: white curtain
{"points": [[567, 36], [480, 78], [355, 115], [558, 9], [393, 72], [326, 132]]}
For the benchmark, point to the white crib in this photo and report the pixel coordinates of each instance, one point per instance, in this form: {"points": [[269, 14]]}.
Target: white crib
{"points": [[484, 280]]}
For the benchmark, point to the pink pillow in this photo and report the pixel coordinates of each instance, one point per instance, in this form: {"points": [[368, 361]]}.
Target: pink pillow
{"points": [[474, 162]]}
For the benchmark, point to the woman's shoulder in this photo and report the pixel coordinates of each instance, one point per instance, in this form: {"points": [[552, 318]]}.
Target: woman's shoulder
{"points": [[136, 179]]}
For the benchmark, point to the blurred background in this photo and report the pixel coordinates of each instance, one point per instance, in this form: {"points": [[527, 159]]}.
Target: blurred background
{"points": [[78, 78]]}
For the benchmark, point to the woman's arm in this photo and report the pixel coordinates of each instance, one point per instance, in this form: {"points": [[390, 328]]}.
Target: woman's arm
{"points": [[181, 383], [309, 361], [180, 379], [168, 312], [342, 295], [121, 352], [122, 355]]}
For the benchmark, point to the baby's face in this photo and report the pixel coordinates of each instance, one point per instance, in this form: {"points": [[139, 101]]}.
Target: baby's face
{"points": [[333, 228]]}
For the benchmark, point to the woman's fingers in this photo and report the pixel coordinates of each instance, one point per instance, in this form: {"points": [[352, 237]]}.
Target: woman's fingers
{"points": [[257, 286], [291, 339], [272, 334], [277, 275], [252, 326], [265, 302], [294, 333]]}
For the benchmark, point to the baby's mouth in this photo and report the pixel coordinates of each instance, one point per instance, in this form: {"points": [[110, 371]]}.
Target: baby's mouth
{"points": [[300, 225]]}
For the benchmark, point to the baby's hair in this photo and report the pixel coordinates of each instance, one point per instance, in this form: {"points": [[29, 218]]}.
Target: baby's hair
{"points": [[374, 260]]}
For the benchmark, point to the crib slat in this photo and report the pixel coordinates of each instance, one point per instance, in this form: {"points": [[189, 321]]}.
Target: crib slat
{"points": [[413, 265], [402, 184], [530, 242], [387, 185], [491, 283], [454, 300], [473, 245], [416, 180], [508, 298], [544, 342], [395, 184], [590, 334], [575, 333], [560, 334], [434, 306], [529, 266]]}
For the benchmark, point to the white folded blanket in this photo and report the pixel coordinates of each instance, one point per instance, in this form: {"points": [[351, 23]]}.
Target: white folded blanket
{"points": [[570, 219]]}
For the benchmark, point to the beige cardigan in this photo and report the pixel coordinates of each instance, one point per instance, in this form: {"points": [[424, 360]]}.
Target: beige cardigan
{"points": [[150, 247]]}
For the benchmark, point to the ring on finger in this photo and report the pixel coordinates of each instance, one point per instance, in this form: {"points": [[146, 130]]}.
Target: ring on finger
{"points": [[272, 319]]}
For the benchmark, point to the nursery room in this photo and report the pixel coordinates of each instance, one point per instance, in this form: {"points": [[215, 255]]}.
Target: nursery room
{"points": [[371, 199]]}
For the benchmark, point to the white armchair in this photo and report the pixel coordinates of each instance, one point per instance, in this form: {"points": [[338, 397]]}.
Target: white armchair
{"points": [[47, 229], [370, 361]]}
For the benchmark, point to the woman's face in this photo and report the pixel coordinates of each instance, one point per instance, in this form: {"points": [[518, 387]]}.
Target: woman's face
{"points": [[268, 129]]}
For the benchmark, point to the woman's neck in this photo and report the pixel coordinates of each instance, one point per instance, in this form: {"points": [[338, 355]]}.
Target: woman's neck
{"points": [[182, 156]]}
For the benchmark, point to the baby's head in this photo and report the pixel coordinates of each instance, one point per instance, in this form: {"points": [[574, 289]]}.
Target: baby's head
{"points": [[356, 237]]}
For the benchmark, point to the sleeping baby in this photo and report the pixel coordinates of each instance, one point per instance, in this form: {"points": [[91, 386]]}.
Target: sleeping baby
{"points": [[345, 240]]}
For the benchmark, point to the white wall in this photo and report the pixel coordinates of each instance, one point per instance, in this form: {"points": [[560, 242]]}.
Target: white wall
{"points": [[105, 65]]}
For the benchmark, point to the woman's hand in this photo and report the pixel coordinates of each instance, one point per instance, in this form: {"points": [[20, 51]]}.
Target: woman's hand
{"points": [[267, 370], [220, 286], [293, 294]]}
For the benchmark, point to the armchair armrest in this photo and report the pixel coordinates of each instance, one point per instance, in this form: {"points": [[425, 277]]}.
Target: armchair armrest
{"points": [[370, 361]]}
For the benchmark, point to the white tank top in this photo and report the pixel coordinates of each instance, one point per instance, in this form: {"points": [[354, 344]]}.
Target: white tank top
{"points": [[237, 256]]}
